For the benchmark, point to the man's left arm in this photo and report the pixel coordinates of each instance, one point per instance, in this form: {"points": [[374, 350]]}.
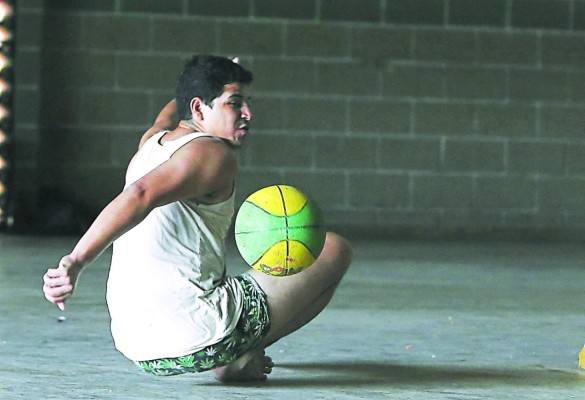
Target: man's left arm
{"points": [[167, 119]]}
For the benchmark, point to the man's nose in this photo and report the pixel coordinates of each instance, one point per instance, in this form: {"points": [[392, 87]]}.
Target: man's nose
{"points": [[246, 112]]}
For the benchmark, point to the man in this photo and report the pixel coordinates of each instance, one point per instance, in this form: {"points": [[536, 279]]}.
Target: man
{"points": [[173, 307]]}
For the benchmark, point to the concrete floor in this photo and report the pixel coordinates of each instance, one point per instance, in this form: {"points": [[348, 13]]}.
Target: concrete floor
{"points": [[411, 321]]}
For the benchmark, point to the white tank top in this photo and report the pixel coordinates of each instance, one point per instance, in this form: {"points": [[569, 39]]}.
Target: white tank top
{"points": [[168, 293]]}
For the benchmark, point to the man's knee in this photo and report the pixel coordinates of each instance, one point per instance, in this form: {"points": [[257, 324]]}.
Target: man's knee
{"points": [[339, 249]]}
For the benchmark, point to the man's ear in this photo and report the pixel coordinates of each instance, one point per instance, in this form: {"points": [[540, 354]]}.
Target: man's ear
{"points": [[196, 106]]}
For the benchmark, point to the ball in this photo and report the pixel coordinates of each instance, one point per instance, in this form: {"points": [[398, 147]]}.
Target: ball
{"points": [[279, 230]]}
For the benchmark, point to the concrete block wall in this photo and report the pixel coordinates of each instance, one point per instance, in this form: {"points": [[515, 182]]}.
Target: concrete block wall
{"points": [[412, 118], [27, 106]]}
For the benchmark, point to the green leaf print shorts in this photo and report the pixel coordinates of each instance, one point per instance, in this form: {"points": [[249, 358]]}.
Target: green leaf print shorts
{"points": [[253, 325]]}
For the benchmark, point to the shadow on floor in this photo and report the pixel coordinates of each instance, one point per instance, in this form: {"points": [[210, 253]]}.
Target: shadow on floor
{"points": [[352, 374]]}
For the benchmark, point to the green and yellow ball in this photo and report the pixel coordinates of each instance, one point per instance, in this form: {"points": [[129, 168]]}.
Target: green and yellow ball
{"points": [[279, 230]]}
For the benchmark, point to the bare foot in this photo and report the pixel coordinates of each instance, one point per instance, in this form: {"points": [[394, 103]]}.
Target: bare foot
{"points": [[254, 366]]}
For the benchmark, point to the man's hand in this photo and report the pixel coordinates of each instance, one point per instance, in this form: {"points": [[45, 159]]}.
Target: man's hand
{"points": [[59, 282]]}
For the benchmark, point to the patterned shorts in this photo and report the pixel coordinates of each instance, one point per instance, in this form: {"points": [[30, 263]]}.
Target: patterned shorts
{"points": [[253, 325]]}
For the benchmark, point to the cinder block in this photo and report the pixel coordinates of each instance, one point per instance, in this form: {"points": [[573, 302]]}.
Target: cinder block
{"points": [[409, 223], [481, 221], [577, 86], [116, 108], [306, 114], [422, 12], [147, 72], [445, 45], [328, 189], [252, 179], [563, 193], [371, 189], [27, 106], [476, 83], [563, 50], [27, 67], [575, 222], [251, 38], [152, 6], [380, 116], [560, 121], [575, 158], [123, 144], [298, 9], [444, 118], [348, 79], [552, 194], [285, 76], [117, 33], [381, 46], [29, 28], [579, 15], [156, 102], [442, 192], [93, 149], [267, 113], [75, 68], [25, 5], [61, 106], [317, 40], [93, 187], [66, 32], [543, 14], [25, 194], [575, 195], [473, 156], [536, 157], [351, 10], [478, 12], [185, 36], [507, 120], [501, 192], [467, 223], [345, 111], [410, 154], [25, 149], [26, 133], [500, 47], [223, 8], [415, 81], [536, 221], [346, 153], [539, 85], [280, 151], [85, 5], [351, 221]]}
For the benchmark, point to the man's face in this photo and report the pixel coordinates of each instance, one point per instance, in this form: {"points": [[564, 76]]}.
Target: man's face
{"points": [[230, 116]]}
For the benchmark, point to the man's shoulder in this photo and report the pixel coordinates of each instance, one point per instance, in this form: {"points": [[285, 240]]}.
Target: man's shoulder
{"points": [[206, 148], [209, 143]]}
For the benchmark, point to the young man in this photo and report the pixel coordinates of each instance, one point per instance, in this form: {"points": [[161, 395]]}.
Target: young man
{"points": [[173, 307]]}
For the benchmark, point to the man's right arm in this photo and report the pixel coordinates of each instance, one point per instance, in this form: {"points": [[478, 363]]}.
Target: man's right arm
{"points": [[198, 168]]}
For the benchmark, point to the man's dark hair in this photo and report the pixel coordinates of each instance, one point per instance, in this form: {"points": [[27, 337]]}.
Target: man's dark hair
{"points": [[205, 76]]}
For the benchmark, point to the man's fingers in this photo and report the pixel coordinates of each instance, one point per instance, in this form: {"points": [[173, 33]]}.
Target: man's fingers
{"points": [[59, 282], [58, 290], [54, 272], [59, 300], [56, 281]]}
